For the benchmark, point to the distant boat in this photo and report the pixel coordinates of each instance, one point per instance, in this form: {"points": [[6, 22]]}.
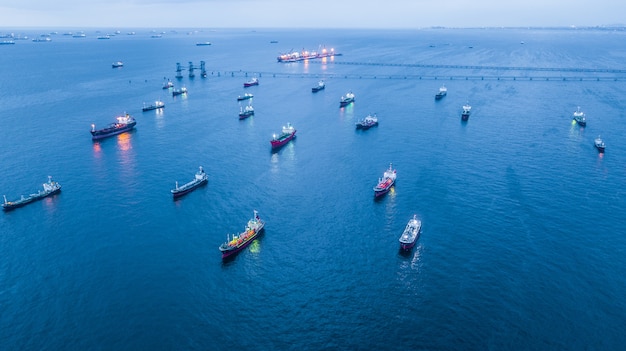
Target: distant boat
{"points": [[386, 182], [599, 144], [49, 188], [42, 39], [320, 86], [157, 104], [367, 122], [206, 43], [288, 133], [200, 178], [346, 100], [79, 35], [238, 242], [245, 96], [246, 112], [123, 124], [180, 91], [273, 41], [410, 234], [579, 117], [467, 110], [168, 85], [104, 37], [443, 91], [251, 82], [117, 64], [7, 42]]}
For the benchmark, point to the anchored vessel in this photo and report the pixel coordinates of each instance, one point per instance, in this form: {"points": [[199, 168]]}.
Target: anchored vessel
{"points": [[410, 234], [288, 133], [157, 104], [467, 110], [117, 64], [49, 188], [199, 179], [122, 124], [180, 91], [320, 86], [245, 96], [346, 100], [251, 82], [579, 117], [168, 85], [443, 91], [295, 56], [599, 143], [246, 112], [238, 242], [386, 182], [367, 122]]}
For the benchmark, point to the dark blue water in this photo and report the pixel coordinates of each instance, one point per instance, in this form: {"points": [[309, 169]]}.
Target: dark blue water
{"points": [[522, 244]]}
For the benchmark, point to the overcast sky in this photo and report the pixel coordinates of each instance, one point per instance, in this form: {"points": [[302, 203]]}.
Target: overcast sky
{"points": [[309, 13]]}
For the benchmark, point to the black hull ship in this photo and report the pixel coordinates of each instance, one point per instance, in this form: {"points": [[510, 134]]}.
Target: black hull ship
{"points": [[200, 178], [49, 188], [122, 124]]}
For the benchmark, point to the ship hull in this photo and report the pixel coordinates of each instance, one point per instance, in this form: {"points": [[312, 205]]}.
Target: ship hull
{"points": [[465, 117], [245, 115], [234, 251], [345, 103], [381, 192], [178, 193], [18, 204], [282, 142], [152, 107], [104, 133]]}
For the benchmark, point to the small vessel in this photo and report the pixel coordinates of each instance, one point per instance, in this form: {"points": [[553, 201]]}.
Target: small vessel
{"points": [[42, 39], [251, 82], [49, 188], [410, 234], [386, 182], [168, 85], [157, 104], [367, 122], [246, 112], [443, 91], [206, 43], [579, 117], [320, 86], [238, 242], [200, 178], [273, 41], [346, 100], [117, 64], [122, 124], [599, 143], [288, 133], [7, 42], [467, 110], [245, 96], [180, 91], [107, 36]]}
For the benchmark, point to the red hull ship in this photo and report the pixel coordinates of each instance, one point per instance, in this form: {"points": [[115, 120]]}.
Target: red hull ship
{"points": [[251, 82], [289, 132], [239, 242], [386, 182]]}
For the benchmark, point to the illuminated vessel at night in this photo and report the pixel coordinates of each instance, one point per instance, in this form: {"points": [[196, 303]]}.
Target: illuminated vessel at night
{"points": [[246, 112], [238, 242], [386, 182], [49, 188], [579, 117], [157, 104], [288, 133], [122, 124], [295, 56], [346, 100], [410, 234]]}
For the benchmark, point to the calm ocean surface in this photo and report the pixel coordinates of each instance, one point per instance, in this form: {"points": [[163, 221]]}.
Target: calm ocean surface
{"points": [[522, 246]]}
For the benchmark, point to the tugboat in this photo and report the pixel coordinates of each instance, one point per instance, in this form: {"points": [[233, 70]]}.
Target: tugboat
{"points": [[117, 64], [320, 86], [199, 179], [180, 91], [346, 100], [289, 132], [122, 124], [251, 82], [599, 143], [157, 104], [443, 91], [410, 234], [245, 96], [579, 117], [49, 188], [237, 243], [385, 183], [367, 122], [467, 110], [246, 112]]}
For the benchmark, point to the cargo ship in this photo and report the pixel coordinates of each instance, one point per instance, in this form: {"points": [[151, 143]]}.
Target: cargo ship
{"points": [[245, 96], [386, 182], [289, 132], [599, 144], [367, 122], [49, 188], [251, 82], [157, 104], [122, 124], [410, 234], [238, 242], [200, 178], [320, 86], [295, 56], [346, 100], [579, 117], [467, 110], [443, 91], [246, 112]]}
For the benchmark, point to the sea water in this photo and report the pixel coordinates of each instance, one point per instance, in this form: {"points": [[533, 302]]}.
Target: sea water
{"points": [[522, 244]]}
